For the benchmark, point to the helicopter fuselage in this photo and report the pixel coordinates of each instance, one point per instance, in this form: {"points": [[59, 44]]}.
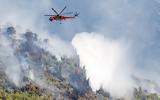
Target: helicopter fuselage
{"points": [[59, 18]]}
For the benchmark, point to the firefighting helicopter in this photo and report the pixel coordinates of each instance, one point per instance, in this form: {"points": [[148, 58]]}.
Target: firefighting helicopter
{"points": [[61, 16]]}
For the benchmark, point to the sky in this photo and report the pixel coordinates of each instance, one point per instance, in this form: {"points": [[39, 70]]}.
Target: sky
{"points": [[130, 24], [31, 13]]}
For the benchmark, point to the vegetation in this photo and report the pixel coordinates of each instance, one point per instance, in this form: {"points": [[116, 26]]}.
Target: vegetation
{"points": [[140, 94], [19, 95]]}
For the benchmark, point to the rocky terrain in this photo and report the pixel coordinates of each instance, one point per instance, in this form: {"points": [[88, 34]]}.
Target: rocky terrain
{"points": [[41, 76]]}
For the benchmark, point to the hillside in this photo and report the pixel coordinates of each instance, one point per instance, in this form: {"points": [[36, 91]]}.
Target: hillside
{"points": [[30, 72]]}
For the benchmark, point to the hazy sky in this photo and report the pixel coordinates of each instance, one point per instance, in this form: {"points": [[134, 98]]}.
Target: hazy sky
{"points": [[30, 13]]}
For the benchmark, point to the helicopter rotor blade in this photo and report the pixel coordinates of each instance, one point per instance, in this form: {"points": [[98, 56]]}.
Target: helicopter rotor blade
{"points": [[55, 11], [67, 13], [62, 10], [49, 15]]}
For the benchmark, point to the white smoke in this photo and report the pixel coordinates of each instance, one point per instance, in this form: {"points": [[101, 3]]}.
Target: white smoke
{"points": [[57, 46], [106, 62], [9, 61]]}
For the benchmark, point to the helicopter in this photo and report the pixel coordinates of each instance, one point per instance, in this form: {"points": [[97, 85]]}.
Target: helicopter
{"points": [[61, 16]]}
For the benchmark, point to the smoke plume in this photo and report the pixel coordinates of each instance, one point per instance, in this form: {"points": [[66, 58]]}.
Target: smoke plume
{"points": [[9, 61], [106, 61]]}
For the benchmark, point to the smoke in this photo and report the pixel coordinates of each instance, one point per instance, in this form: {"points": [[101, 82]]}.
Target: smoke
{"points": [[106, 61], [9, 61], [57, 46]]}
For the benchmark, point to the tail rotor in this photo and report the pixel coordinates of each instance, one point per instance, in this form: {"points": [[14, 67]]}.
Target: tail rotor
{"points": [[76, 14]]}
